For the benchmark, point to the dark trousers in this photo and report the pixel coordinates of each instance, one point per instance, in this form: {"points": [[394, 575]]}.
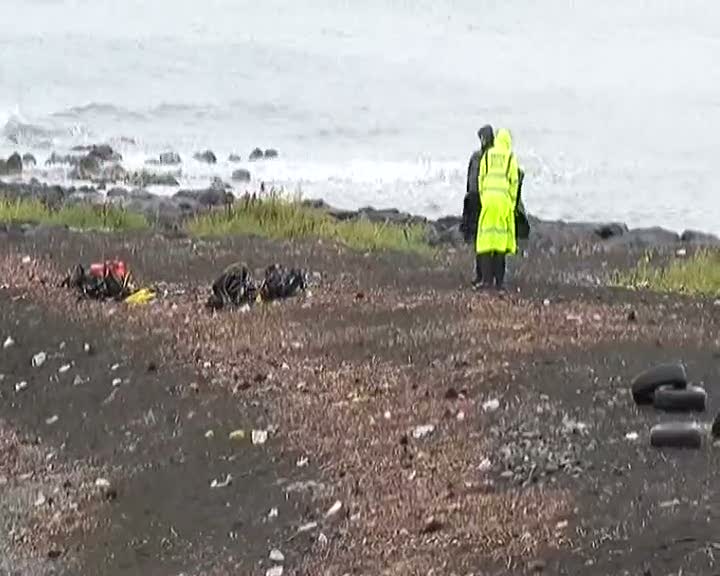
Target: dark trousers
{"points": [[490, 269]]}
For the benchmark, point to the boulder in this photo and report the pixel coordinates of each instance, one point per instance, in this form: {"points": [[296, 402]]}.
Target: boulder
{"points": [[113, 173], [206, 198], [611, 230], [144, 178], [256, 154], [645, 238], [234, 158], [29, 160], [241, 175], [207, 156], [87, 168], [84, 197], [14, 164], [271, 153], [101, 152], [170, 159], [699, 238]]}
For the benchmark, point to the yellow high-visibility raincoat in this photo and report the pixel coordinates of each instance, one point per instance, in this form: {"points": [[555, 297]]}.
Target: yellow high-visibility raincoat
{"points": [[498, 189]]}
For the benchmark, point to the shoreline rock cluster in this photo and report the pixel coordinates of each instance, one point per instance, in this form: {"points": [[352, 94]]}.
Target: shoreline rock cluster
{"points": [[100, 165]]}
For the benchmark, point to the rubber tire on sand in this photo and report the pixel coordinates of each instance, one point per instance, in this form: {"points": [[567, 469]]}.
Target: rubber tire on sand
{"points": [[676, 435], [671, 399], [645, 383]]}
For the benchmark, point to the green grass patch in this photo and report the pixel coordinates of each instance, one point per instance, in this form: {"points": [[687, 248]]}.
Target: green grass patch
{"points": [[79, 216], [279, 218], [698, 275]]}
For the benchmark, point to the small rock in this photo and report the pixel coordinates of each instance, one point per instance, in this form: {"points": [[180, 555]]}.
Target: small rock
{"points": [[259, 436], [237, 435], [26, 260], [207, 156], [78, 380], [39, 359], [274, 571], [87, 348], [631, 436], [210, 434], [102, 483], [221, 484], [387, 415], [8, 343], [114, 367], [241, 175], [485, 465], [20, 386], [52, 420], [334, 509], [423, 431], [40, 501], [276, 555], [561, 525], [271, 153], [170, 158], [491, 405], [256, 154], [64, 368], [460, 416], [681, 252], [546, 302], [432, 525], [307, 527], [116, 382]]}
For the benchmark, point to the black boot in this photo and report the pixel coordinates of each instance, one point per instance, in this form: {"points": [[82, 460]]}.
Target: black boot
{"points": [[478, 272], [487, 269], [499, 270]]}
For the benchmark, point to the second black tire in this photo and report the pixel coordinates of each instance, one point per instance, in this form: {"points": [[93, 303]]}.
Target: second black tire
{"points": [[676, 435], [671, 399], [646, 383]]}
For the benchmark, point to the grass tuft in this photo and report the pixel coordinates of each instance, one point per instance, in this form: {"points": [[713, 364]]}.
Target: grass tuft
{"points": [[83, 216], [279, 218], [696, 275]]}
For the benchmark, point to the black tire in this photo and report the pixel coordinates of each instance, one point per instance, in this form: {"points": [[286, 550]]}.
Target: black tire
{"points": [[676, 435], [671, 399], [645, 383]]}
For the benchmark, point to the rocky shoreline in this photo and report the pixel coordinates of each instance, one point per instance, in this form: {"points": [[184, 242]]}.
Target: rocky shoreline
{"points": [[108, 181]]}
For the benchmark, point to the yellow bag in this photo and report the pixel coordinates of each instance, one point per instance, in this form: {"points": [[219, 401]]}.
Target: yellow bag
{"points": [[142, 296]]}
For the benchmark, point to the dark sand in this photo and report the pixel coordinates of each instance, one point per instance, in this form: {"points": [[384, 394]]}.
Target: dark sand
{"points": [[342, 378]]}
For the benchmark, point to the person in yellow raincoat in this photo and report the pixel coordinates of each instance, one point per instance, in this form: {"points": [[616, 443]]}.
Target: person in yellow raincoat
{"points": [[498, 188]]}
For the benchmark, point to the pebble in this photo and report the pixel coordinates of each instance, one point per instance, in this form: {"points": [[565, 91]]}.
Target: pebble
{"points": [[423, 431], [64, 368], [460, 416], [334, 509], [631, 436], [87, 348], [50, 421], [274, 571], [276, 555], [114, 367], [102, 483], [210, 434], [307, 527], [546, 302], [485, 465], [8, 343], [237, 435], [259, 436], [387, 415], [26, 260], [39, 359], [116, 382], [491, 405], [20, 386], [78, 380]]}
